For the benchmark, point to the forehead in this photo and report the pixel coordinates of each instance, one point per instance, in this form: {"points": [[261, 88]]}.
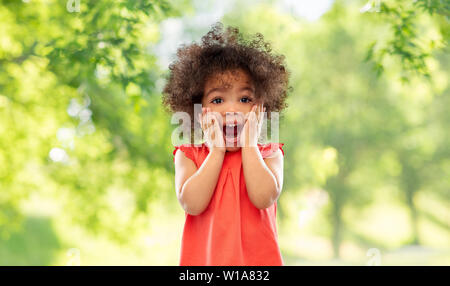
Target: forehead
{"points": [[229, 78]]}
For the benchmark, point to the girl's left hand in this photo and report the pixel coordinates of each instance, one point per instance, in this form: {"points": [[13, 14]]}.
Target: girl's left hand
{"points": [[252, 127]]}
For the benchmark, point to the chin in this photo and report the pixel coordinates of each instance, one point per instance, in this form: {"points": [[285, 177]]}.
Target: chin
{"points": [[233, 145], [233, 149]]}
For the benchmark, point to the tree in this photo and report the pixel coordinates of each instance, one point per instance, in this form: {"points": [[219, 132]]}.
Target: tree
{"points": [[410, 41], [77, 93], [352, 126]]}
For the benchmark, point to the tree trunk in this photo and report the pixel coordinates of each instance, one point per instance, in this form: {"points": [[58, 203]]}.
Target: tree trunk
{"points": [[414, 216], [336, 237]]}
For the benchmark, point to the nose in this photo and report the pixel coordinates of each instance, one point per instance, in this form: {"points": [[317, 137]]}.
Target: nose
{"points": [[233, 117], [231, 112]]}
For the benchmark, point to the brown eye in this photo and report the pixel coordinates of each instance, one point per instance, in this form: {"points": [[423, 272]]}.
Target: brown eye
{"points": [[246, 99], [214, 100]]}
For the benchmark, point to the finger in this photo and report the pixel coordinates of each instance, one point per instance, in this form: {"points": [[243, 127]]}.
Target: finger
{"points": [[206, 121], [207, 127], [254, 118], [202, 117], [211, 126], [219, 119], [208, 116], [215, 122], [202, 121], [211, 118], [250, 120], [217, 132], [251, 111], [261, 115]]}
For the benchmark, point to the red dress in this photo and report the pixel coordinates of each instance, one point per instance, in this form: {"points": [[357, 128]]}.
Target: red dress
{"points": [[231, 231]]}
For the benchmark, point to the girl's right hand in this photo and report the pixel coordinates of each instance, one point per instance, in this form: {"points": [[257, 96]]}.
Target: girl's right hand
{"points": [[212, 128]]}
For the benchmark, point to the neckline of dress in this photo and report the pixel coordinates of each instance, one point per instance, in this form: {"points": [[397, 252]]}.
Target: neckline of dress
{"points": [[228, 152]]}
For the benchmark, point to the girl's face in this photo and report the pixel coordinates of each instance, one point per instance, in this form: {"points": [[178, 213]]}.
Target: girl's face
{"points": [[232, 95]]}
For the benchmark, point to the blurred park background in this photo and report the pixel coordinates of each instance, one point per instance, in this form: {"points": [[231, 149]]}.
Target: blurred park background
{"points": [[86, 164]]}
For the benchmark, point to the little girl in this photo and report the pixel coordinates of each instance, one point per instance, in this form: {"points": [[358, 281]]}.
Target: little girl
{"points": [[229, 184]]}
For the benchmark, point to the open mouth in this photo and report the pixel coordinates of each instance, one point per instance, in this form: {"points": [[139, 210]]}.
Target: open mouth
{"points": [[231, 132]]}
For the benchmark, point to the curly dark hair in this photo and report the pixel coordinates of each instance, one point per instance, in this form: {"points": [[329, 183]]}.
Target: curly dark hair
{"points": [[226, 50]]}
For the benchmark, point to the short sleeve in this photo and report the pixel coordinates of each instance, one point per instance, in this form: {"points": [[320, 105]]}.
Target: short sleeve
{"points": [[267, 149], [187, 149]]}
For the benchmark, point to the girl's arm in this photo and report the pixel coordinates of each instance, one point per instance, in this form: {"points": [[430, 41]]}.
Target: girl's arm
{"points": [[263, 177], [195, 187]]}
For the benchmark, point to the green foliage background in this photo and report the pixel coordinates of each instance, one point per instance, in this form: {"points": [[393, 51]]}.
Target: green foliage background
{"points": [[86, 170]]}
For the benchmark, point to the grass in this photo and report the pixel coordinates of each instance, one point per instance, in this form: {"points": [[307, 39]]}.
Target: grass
{"points": [[51, 240]]}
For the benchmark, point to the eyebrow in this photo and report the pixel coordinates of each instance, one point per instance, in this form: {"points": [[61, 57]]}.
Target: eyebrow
{"points": [[248, 88], [222, 89]]}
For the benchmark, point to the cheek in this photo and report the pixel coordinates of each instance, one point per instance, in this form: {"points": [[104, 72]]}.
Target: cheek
{"points": [[213, 107], [248, 108]]}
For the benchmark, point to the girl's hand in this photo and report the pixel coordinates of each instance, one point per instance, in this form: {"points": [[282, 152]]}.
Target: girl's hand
{"points": [[252, 127], [212, 128]]}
